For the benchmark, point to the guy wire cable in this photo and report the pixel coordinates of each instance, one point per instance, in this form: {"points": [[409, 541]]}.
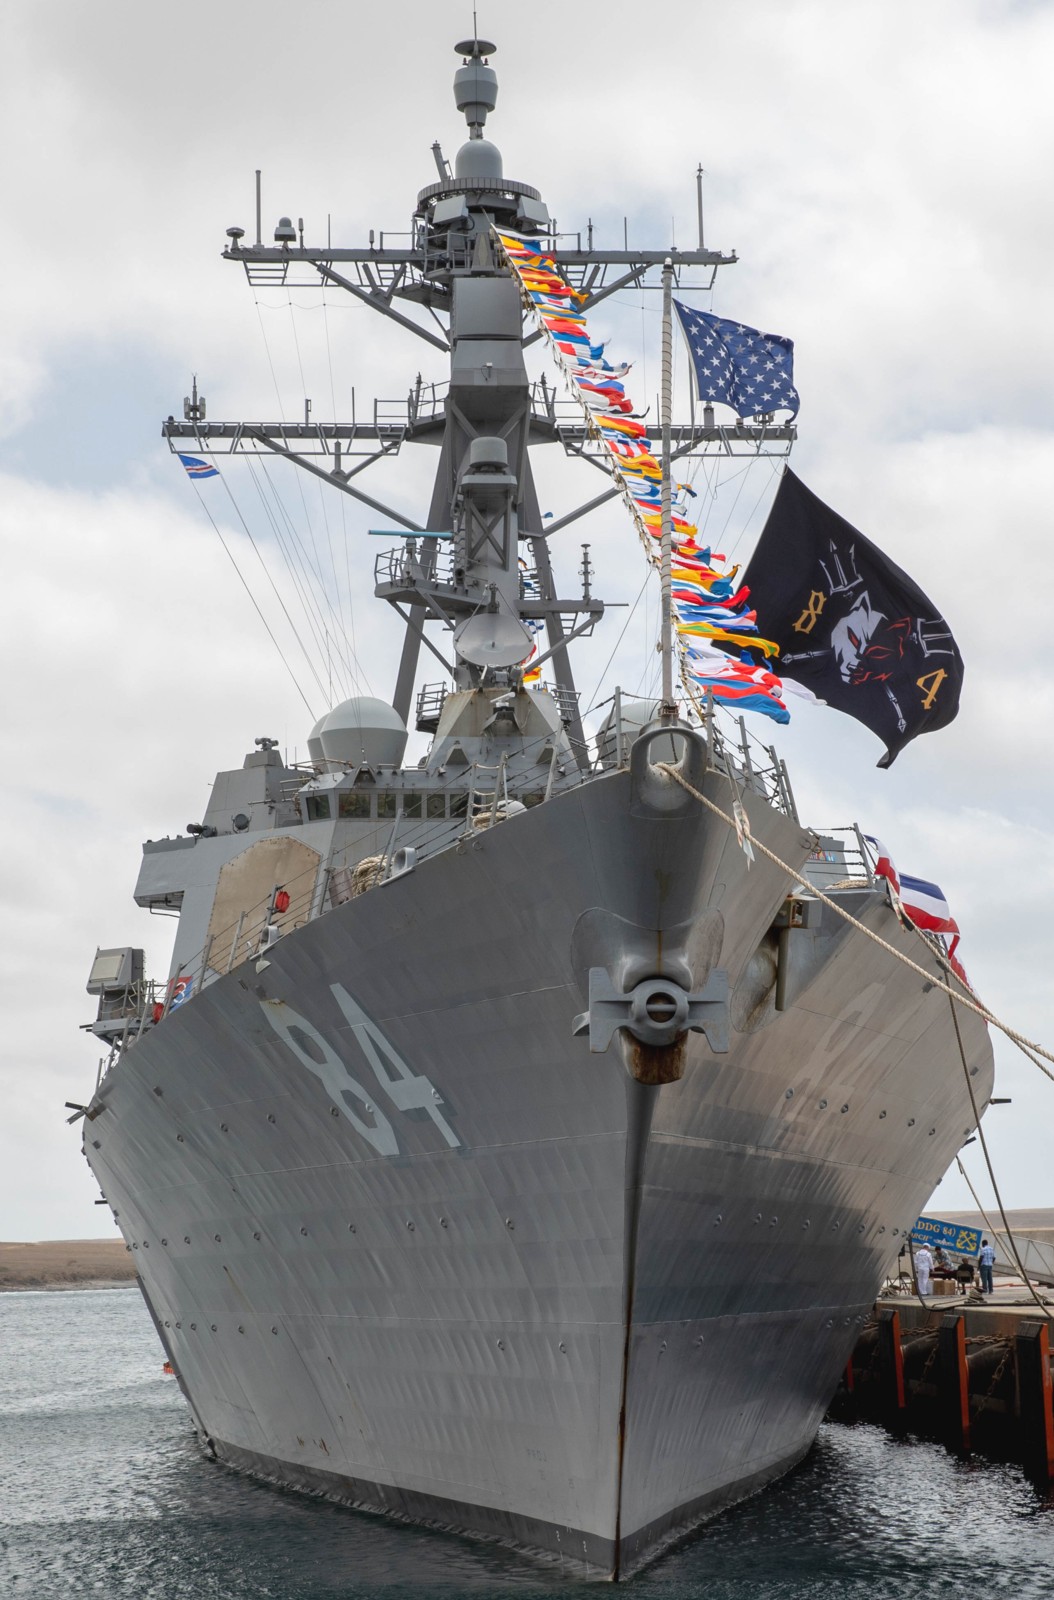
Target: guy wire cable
{"points": [[319, 485], [252, 597], [600, 681], [281, 406], [294, 560], [270, 579], [299, 580], [345, 596]]}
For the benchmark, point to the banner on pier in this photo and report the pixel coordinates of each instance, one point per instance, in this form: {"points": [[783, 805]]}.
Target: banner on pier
{"points": [[946, 1236]]}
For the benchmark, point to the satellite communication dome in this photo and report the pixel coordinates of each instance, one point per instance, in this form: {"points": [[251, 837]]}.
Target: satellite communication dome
{"points": [[364, 732]]}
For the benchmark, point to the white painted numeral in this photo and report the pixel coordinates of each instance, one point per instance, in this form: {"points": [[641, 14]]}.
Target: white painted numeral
{"points": [[407, 1090], [332, 1072]]}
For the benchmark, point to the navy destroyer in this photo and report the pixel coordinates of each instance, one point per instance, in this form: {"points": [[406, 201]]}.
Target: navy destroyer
{"points": [[506, 1150]]}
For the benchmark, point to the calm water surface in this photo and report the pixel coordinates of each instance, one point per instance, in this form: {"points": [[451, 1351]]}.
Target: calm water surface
{"points": [[104, 1492]]}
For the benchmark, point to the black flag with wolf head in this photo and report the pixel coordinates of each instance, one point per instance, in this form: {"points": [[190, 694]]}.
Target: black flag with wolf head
{"points": [[850, 625]]}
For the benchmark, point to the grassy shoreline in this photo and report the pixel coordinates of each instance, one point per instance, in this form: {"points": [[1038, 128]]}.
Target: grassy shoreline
{"points": [[66, 1264]]}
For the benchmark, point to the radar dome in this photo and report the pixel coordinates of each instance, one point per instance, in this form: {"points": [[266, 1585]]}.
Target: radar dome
{"points": [[314, 741], [364, 732], [480, 160], [636, 715]]}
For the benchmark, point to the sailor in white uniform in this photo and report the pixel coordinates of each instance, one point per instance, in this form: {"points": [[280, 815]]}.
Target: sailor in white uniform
{"points": [[923, 1268]]}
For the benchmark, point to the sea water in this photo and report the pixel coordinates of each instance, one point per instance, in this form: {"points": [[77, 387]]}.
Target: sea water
{"points": [[104, 1492]]}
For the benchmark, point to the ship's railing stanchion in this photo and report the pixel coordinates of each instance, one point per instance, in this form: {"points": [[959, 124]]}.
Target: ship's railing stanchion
{"points": [[389, 849], [501, 783], [864, 855], [744, 745], [470, 808], [317, 898], [234, 941], [550, 780], [788, 792]]}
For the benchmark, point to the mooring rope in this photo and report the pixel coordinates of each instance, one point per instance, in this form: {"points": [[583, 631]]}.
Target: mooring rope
{"points": [[1005, 1229], [1041, 1303], [955, 996]]}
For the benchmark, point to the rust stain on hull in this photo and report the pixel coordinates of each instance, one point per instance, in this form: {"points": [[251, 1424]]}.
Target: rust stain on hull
{"points": [[656, 1064]]}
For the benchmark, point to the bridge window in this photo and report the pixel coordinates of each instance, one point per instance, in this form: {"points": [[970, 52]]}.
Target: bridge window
{"points": [[437, 805], [355, 805], [318, 808]]}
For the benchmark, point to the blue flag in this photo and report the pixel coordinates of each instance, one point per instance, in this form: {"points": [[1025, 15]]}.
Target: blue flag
{"points": [[737, 366], [196, 468]]}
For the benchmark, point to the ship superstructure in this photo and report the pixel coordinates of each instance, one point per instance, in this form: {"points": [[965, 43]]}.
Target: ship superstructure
{"points": [[506, 1150]]}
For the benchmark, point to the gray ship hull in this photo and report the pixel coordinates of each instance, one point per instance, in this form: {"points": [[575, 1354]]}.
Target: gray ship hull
{"points": [[408, 1242]]}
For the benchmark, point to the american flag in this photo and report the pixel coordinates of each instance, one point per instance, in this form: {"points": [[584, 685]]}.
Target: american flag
{"points": [[738, 366]]}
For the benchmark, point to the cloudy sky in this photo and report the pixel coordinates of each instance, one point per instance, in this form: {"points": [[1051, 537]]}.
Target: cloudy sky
{"points": [[882, 170]]}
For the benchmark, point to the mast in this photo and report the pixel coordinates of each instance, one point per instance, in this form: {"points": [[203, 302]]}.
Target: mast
{"points": [[669, 708], [461, 569]]}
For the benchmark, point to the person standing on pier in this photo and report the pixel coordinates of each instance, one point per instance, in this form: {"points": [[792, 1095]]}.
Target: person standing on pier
{"points": [[985, 1262], [923, 1268]]}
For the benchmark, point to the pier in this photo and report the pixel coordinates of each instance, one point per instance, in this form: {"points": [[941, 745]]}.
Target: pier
{"points": [[972, 1373]]}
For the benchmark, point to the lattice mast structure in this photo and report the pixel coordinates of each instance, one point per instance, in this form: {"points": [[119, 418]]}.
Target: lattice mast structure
{"points": [[462, 566]]}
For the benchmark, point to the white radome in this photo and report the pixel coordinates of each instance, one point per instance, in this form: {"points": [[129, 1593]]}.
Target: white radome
{"points": [[363, 731]]}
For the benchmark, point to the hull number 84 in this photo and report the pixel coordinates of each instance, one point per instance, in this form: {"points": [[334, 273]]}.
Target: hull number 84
{"points": [[404, 1088]]}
